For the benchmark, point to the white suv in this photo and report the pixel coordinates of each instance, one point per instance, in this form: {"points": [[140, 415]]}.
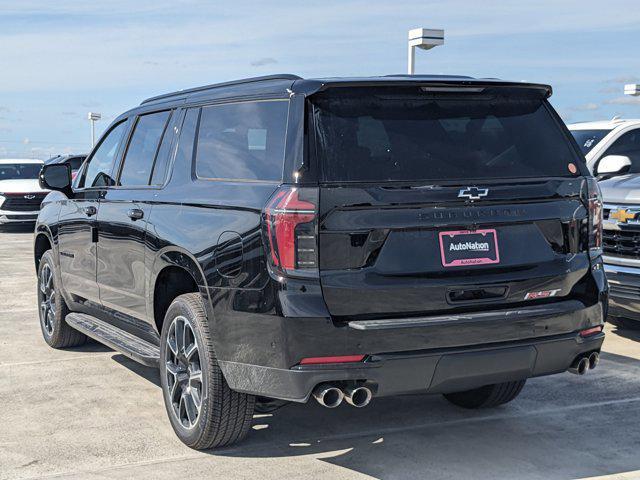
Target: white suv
{"points": [[612, 150], [20, 192]]}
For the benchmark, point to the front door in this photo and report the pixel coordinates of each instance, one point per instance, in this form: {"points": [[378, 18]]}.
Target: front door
{"points": [[76, 245], [77, 232]]}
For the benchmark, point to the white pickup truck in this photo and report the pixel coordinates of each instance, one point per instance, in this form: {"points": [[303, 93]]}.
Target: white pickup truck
{"points": [[612, 151]]}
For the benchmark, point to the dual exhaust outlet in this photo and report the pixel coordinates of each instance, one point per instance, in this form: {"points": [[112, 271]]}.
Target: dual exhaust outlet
{"points": [[585, 362], [330, 396]]}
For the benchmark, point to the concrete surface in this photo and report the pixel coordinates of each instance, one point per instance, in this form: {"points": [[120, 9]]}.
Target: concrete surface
{"points": [[90, 413]]}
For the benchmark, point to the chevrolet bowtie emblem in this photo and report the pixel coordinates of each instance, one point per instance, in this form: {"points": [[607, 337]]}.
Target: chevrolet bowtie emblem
{"points": [[622, 215]]}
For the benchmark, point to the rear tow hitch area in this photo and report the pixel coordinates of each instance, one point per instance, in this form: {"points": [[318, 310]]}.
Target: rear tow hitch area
{"points": [[584, 362], [330, 395]]}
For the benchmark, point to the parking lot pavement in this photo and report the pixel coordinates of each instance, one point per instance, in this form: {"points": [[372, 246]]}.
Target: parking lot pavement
{"points": [[91, 413]]}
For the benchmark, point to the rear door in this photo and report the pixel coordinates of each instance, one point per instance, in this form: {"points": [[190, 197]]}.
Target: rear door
{"points": [[445, 202], [123, 215]]}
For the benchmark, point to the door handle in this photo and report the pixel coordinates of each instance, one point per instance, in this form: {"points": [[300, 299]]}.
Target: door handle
{"points": [[89, 211], [135, 214]]}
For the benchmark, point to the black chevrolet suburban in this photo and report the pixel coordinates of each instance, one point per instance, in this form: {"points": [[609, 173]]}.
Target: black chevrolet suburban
{"points": [[274, 239]]}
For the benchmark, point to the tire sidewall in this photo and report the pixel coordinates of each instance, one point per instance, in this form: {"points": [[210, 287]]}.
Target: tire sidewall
{"points": [[181, 308]]}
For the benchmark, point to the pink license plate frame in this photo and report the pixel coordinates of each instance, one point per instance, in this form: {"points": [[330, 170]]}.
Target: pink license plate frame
{"points": [[492, 237]]}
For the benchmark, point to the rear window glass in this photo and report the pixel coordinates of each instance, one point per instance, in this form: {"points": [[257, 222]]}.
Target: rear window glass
{"points": [[587, 139], [242, 141], [408, 134]]}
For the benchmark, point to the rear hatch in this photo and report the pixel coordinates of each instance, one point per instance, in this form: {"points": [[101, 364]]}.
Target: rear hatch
{"points": [[436, 201]]}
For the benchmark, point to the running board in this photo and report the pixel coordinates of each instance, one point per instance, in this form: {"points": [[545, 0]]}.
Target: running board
{"points": [[133, 347]]}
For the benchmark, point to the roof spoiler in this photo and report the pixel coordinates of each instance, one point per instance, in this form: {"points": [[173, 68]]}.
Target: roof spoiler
{"points": [[310, 87]]}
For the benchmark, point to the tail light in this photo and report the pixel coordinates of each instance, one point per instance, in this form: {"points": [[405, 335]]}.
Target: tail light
{"points": [[595, 217], [290, 230]]}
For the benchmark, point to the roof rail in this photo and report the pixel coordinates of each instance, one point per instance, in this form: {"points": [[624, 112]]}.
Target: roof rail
{"points": [[418, 76], [281, 76]]}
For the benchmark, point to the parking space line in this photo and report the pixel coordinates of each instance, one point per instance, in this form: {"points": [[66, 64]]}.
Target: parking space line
{"points": [[57, 360]]}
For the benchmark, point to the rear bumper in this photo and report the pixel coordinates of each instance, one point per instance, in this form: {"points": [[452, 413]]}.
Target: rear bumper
{"points": [[393, 368], [624, 290]]}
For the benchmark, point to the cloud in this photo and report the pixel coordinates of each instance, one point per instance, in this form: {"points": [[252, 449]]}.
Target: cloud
{"points": [[565, 115], [610, 90], [587, 107], [626, 100], [261, 62], [623, 79]]}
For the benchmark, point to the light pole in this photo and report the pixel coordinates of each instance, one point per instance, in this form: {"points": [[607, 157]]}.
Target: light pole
{"points": [[425, 39], [93, 118], [632, 89]]}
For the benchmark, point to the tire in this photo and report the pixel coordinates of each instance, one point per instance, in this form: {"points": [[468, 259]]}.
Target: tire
{"points": [[52, 308], [189, 378], [488, 396]]}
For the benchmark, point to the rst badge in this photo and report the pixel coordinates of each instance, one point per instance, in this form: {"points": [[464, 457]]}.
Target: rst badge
{"points": [[542, 294]]}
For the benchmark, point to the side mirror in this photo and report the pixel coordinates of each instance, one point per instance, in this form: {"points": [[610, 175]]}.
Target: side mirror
{"points": [[613, 165], [56, 177]]}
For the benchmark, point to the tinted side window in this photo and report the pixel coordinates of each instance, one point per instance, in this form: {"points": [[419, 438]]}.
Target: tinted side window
{"points": [[98, 171], [629, 146], [142, 149], [164, 155], [184, 152], [243, 141]]}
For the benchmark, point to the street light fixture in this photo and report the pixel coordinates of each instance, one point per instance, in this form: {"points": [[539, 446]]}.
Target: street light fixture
{"points": [[425, 39], [632, 89], [93, 118]]}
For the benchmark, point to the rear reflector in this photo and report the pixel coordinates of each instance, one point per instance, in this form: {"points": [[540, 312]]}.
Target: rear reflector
{"points": [[339, 359], [590, 331]]}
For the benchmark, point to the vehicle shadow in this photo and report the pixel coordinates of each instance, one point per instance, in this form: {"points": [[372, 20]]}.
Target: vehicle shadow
{"points": [[628, 330], [92, 346], [568, 425], [148, 373]]}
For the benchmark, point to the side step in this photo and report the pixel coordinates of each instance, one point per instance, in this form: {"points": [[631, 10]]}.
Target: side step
{"points": [[124, 342]]}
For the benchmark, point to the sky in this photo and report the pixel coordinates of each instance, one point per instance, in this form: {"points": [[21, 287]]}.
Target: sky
{"points": [[59, 60]]}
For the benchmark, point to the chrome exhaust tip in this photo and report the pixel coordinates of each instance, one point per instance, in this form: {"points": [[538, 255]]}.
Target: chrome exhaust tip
{"points": [[579, 366], [328, 396], [594, 359], [358, 396]]}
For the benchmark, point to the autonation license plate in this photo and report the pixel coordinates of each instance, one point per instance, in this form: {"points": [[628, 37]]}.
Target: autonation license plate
{"points": [[467, 247]]}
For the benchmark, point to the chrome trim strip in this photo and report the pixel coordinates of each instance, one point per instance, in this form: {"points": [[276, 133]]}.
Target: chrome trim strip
{"points": [[620, 269], [627, 262]]}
